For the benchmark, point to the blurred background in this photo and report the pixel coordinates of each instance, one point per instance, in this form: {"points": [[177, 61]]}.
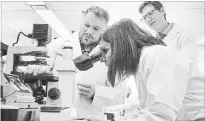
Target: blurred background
{"points": [[20, 16]]}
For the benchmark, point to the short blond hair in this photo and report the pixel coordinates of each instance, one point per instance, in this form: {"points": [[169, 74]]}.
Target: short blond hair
{"points": [[99, 12]]}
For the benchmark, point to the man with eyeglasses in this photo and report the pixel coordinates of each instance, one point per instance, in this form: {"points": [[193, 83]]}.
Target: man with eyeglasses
{"points": [[154, 16]]}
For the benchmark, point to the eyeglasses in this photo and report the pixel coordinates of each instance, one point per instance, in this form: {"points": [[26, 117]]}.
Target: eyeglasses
{"points": [[149, 15]]}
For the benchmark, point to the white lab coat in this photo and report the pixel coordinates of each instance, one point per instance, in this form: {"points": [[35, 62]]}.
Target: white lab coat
{"points": [[171, 88], [97, 75], [161, 81], [185, 43]]}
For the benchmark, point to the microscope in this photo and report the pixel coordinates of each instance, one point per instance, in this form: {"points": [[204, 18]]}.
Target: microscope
{"points": [[30, 64], [17, 99], [24, 63]]}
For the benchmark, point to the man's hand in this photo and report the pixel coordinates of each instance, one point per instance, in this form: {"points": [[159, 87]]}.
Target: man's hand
{"points": [[86, 90]]}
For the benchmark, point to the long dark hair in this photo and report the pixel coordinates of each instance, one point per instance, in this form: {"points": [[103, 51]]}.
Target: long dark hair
{"points": [[126, 39]]}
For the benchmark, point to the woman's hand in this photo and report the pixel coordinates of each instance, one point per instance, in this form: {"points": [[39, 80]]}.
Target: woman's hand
{"points": [[86, 90]]}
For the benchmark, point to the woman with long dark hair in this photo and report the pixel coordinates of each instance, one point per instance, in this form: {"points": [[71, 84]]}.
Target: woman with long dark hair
{"points": [[161, 77]]}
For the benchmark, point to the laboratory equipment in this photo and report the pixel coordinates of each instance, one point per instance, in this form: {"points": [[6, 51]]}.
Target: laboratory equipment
{"points": [[17, 102]]}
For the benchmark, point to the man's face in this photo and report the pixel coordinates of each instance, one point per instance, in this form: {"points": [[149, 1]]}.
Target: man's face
{"points": [[106, 52], [153, 18], [91, 28]]}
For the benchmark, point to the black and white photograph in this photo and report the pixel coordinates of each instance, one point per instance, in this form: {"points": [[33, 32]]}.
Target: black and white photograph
{"points": [[102, 60]]}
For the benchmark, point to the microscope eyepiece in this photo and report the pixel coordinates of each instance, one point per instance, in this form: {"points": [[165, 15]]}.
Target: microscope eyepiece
{"points": [[96, 57], [85, 62]]}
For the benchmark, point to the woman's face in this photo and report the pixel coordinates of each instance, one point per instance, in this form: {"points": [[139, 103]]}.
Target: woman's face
{"points": [[106, 52]]}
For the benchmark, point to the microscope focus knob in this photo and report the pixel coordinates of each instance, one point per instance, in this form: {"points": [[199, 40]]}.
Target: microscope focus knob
{"points": [[54, 93]]}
